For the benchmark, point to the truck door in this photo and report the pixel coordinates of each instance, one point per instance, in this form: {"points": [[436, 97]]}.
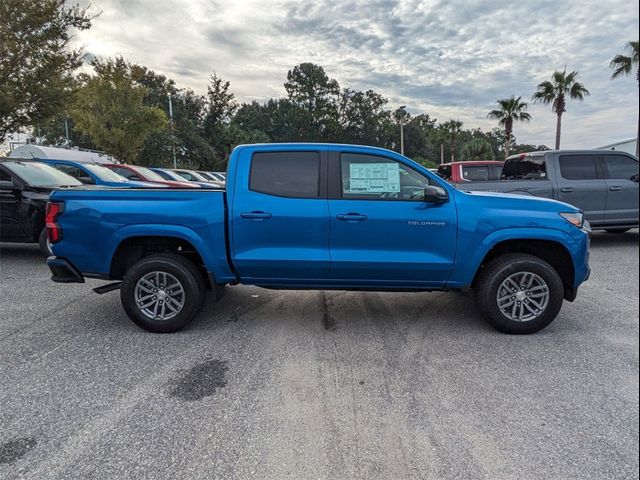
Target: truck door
{"points": [[621, 176], [280, 217], [382, 230], [581, 184], [13, 216]]}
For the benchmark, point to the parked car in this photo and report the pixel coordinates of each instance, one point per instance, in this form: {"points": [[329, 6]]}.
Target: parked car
{"points": [[471, 171], [324, 216], [25, 186], [193, 176], [218, 176], [143, 174], [604, 184], [94, 174], [169, 175]]}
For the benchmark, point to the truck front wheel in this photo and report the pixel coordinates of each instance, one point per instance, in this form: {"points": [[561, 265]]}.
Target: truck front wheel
{"points": [[519, 293], [162, 293]]}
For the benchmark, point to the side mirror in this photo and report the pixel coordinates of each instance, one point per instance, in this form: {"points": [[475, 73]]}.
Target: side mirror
{"points": [[634, 178], [8, 185], [434, 194]]}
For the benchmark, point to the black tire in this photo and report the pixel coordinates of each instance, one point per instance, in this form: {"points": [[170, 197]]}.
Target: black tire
{"points": [[617, 230], [43, 242], [496, 272], [184, 271]]}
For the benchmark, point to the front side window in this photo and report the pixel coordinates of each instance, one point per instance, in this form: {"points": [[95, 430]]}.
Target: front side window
{"points": [[621, 166], [578, 167], [286, 174], [125, 173], [525, 168], [379, 178], [104, 173]]}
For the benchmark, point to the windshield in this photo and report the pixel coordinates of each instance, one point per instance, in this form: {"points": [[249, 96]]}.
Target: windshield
{"points": [[40, 175], [103, 173], [149, 174]]}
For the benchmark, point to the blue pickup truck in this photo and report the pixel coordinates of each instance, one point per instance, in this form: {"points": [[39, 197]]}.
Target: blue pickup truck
{"points": [[320, 216]]}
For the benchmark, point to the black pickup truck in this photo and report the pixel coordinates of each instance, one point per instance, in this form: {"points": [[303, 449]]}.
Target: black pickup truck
{"points": [[25, 186]]}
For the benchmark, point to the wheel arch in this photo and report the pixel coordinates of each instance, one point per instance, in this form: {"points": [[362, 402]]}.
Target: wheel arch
{"points": [[552, 251]]}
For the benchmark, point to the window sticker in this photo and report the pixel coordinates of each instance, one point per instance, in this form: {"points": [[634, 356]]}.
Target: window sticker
{"points": [[374, 178]]}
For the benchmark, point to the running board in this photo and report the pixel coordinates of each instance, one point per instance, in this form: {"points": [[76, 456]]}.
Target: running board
{"points": [[107, 288]]}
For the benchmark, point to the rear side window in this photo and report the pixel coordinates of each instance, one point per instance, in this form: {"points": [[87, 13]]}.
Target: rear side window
{"points": [[578, 167], [525, 168], [620, 166], [476, 173], [286, 174]]}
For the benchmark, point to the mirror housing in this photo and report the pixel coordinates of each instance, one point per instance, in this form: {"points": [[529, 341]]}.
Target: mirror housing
{"points": [[634, 178], [435, 194]]}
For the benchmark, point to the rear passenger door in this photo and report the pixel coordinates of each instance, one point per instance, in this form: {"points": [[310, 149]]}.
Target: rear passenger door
{"points": [[280, 217], [621, 176], [582, 185]]}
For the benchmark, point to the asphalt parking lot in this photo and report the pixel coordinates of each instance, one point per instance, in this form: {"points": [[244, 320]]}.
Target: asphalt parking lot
{"points": [[275, 384]]}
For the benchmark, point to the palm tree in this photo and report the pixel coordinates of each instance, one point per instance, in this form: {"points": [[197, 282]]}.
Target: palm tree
{"points": [[477, 149], [452, 127], [562, 86], [511, 110], [623, 65]]}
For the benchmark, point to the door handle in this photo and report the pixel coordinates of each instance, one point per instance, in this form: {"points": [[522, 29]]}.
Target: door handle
{"points": [[255, 215], [615, 188], [351, 217], [566, 189]]}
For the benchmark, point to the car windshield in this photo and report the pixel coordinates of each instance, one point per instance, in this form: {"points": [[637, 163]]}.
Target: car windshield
{"points": [[103, 173], [148, 173], [40, 175]]}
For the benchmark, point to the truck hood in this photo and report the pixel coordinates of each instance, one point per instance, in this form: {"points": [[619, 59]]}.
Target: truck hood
{"points": [[521, 202]]}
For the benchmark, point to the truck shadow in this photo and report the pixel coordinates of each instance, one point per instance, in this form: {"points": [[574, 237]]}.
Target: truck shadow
{"points": [[21, 251], [605, 239]]}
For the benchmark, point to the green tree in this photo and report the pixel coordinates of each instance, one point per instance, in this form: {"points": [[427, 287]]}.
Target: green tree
{"points": [[220, 107], [363, 119], [563, 86], [309, 88], [36, 63], [510, 110], [623, 65], [109, 107], [477, 149]]}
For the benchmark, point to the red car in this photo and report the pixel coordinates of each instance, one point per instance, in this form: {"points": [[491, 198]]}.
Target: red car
{"points": [[136, 172], [471, 171]]}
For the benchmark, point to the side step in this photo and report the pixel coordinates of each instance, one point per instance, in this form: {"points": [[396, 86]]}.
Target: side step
{"points": [[107, 288]]}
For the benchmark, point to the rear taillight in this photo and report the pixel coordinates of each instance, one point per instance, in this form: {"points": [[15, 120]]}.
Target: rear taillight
{"points": [[54, 232]]}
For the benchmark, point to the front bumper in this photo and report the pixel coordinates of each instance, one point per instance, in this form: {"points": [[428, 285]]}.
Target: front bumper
{"points": [[63, 271]]}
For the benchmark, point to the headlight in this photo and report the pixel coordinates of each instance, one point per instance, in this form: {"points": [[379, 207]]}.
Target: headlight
{"points": [[575, 218]]}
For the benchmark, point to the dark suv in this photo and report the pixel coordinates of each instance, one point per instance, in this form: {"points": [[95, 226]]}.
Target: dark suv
{"points": [[25, 186]]}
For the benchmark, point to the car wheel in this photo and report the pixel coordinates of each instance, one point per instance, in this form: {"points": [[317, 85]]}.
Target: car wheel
{"points": [[162, 293], [617, 230], [43, 242], [519, 294]]}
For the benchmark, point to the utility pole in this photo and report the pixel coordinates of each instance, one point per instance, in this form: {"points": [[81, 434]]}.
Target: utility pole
{"points": [[66, 131], [401, 112], [173, 143]]}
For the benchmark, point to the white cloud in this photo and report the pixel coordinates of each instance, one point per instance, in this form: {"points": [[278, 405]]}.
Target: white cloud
{"points": [[451, 59]]}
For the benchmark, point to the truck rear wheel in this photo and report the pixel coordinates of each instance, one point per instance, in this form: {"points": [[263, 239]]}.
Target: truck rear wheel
{"points": [[43, 243], [162, 293], [519, 294]]}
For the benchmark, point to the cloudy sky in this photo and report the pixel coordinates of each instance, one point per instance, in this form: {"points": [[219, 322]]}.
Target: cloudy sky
{"points": [[448, 58]]}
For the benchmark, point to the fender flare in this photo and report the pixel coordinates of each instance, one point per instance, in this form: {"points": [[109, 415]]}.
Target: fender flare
{"points": [[467, 272]]}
